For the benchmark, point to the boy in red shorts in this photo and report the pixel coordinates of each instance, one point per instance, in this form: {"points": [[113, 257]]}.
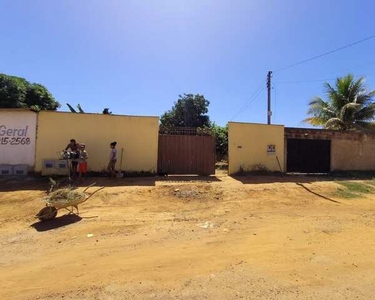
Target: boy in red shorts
{"points": [[82, 165]]}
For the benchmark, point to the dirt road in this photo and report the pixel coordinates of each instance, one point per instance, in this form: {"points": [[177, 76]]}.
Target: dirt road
{"points": [[221, 238]]}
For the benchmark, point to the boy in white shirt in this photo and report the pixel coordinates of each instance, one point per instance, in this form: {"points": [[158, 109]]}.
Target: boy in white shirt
{"points": [[112, 160], [83, 156]]}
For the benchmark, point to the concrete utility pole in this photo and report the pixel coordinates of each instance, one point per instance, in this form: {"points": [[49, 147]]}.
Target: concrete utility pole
{"points": [[269, 112]]}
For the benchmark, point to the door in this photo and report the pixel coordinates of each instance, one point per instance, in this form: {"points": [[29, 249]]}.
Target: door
{"points": [[308, 156]]}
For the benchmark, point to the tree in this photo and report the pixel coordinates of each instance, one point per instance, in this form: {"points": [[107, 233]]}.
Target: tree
{"points": [[188, 111], [221, 138], [349, 106], [17, 92]]}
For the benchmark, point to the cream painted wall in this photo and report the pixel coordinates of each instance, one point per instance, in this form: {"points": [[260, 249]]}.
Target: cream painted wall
{"points": [[138, 136], [248, 145], [349, 155], [17, 136]]}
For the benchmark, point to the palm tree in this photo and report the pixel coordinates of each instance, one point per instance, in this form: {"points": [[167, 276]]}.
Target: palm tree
{"points": [[349, 106]]}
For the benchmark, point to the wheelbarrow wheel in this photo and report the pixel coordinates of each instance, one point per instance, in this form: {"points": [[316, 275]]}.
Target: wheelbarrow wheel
{"points": [[47, 213]]}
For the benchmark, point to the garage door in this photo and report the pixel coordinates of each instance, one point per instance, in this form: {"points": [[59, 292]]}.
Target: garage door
{"points": [[308, 156]]}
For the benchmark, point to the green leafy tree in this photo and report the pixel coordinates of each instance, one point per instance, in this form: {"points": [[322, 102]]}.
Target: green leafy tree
{"points": [[17, 92], [349, 106], [221, 138], [188, 111]]}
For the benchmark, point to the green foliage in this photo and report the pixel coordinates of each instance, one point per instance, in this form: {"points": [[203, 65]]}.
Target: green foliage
{"points": [[349, 106], [221, 136], [352, 189], [188, 111], [17, 92]]}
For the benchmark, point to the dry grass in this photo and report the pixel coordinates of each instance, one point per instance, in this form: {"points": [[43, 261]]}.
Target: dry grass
{"points": [[65, 197]]}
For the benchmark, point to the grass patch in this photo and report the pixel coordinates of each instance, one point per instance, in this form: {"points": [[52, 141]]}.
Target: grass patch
{"points": [[371, 182], [352, 190]]}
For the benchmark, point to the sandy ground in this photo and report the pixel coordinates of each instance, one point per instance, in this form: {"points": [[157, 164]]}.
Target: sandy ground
{"points": [[190, 238]]}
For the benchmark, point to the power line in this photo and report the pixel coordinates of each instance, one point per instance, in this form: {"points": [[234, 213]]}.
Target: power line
{"points": [[249, 102], [307, 81], [317, 80], [326, 53], [274, 100], [257, 95]]}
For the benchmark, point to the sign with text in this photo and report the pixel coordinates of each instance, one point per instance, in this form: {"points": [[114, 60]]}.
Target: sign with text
{"points": [[271, 149], [17, 137]]}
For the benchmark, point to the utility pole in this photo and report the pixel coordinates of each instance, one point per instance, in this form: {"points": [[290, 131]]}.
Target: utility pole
{"points": [[269, 112]]}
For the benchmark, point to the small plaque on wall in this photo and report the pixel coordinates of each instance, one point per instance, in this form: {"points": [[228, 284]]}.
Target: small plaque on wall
{"points": [[271, 149]]}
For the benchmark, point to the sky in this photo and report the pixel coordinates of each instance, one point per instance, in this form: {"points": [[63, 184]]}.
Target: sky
{"points": [[137, 56]]}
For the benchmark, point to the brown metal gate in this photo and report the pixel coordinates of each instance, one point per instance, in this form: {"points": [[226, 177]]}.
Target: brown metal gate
{"points": [[186, 151], [308, 156]]}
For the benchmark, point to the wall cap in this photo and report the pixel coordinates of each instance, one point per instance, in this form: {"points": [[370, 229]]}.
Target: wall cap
{"points": [[259, 124], [96, 114]]}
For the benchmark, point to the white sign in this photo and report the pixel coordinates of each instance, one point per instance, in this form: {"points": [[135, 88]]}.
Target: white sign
{"points": [[271, 149], [17, 137]]}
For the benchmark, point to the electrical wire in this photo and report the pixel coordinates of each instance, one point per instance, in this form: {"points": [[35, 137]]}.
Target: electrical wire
{"points": [[258, 90], [249, 103], [317, 80], [324, 54], [307, 81], [274, 102]]}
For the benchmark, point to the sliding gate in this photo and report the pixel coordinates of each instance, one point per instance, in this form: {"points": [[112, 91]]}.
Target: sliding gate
{"points": [[186, 151]]}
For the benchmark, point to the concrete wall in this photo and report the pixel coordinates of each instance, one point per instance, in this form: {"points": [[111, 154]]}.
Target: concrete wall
{"points": [[353, 154], [17, 137], [248, 147], [350, 150], [138, 136]]}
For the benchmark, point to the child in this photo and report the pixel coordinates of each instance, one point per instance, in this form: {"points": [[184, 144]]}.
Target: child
{"points": [[112, 160], [83, 156], [73, 155]]}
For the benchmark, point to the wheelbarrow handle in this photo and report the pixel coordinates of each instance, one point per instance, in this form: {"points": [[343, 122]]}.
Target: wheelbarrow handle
{"points": [[92, 184]]}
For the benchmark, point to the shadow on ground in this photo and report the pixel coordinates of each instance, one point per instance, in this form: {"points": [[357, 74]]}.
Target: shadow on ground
{"points": [[261, 179], [317, 194], [58, 222], [292, 178], [43, 184]]}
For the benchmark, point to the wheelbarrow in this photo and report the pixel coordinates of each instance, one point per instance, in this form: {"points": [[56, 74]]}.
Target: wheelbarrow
{"points": [[52, 205]]}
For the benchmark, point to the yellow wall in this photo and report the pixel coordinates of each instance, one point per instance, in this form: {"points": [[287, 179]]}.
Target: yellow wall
{"points": [[138, 136], [349, 155], [248, 146]]}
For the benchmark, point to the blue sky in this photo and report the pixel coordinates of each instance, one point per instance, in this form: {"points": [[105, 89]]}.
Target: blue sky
{"points": [[136, 57]]}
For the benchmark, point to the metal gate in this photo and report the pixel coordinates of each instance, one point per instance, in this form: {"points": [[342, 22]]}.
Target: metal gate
{"points": [[186, 151], [308, 156]]}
